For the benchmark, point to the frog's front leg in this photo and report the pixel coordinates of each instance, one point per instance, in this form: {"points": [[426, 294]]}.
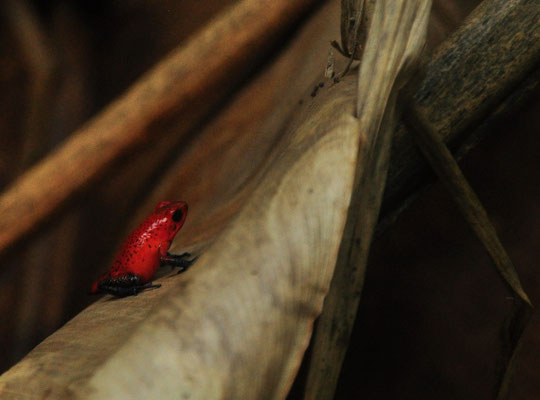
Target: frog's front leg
{"points": [[123, 285], [182, 261]]}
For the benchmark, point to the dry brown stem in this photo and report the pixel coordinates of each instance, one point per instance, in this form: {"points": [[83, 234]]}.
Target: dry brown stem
{"points": [[200, 69]]}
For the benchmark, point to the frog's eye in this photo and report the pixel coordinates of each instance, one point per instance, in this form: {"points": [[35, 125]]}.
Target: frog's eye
{"points": [[177, 216]]}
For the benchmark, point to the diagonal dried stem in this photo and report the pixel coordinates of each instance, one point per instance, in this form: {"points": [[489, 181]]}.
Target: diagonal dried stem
{"points": [[447, 169]]}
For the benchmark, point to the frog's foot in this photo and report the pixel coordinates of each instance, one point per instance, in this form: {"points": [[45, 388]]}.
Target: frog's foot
{"points": [[182, 261], [124, 285]]}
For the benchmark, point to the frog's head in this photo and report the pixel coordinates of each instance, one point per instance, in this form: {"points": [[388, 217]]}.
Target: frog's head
{"points": [[172, 214]]}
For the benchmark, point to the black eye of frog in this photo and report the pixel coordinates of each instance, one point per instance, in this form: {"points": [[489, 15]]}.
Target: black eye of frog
{"points": [[177, 216]]}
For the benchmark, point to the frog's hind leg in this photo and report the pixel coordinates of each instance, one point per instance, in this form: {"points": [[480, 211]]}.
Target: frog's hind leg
{"points": [[124, 285]]}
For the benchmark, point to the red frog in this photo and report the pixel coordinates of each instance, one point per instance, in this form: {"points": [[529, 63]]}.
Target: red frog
{"points": [[144, 250]]}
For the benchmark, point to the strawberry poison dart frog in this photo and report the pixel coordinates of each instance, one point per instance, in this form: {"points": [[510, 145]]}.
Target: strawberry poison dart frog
{"points": [[144, 250]]}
